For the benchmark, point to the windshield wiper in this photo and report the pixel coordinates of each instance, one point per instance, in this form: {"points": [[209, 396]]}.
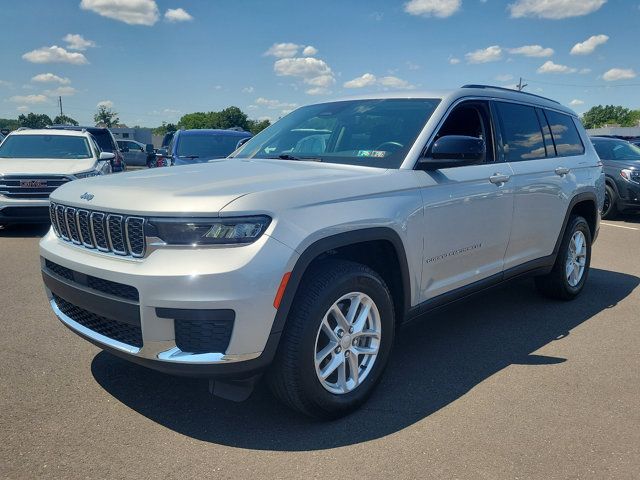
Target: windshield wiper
{"points": [[286, 156]]}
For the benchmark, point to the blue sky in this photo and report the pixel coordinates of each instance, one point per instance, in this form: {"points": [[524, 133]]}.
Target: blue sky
{"points": [[155, 60]]}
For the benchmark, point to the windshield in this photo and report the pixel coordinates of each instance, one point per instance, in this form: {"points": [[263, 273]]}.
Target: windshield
{"points": [[45, 146], [616, 150], [375, 133], [206, 146]]}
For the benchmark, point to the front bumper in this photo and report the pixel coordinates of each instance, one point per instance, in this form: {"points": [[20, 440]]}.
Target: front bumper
{"points": [[629, 196], [14, 210], [195, 283]]}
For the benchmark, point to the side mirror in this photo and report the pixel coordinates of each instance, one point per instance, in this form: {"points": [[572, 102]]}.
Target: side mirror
{"points": [[454, 151], [149, 148], [243, 141], [107, 156]]}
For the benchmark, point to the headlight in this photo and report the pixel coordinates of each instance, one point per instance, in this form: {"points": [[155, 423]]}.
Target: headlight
{"points": [[92, 173], [207, 231], [630, 175]]}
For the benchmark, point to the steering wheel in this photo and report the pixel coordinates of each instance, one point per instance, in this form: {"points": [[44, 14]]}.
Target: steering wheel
{"points": [[397, 146]]}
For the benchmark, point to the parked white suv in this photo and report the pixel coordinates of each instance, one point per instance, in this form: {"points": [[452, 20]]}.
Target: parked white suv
{"points": [[33, 163], [301, 255]]}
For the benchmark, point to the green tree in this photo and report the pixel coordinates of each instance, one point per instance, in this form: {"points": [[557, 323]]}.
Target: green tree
{"points": [[9, 124], [232, 117], [195, 120], [600, 115], [64, 120], [34, 120], [106, 116], [165, 128], [256, 126]]}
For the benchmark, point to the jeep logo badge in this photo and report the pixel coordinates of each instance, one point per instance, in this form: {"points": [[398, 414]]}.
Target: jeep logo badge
{"points": [[86, 196]]}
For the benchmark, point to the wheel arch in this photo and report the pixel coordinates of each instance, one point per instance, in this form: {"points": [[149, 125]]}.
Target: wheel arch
{"points": [[586, 205], [335, 243]]}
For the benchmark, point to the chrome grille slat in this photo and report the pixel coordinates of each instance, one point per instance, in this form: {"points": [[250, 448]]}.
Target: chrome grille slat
{"points": [[10, 185], [114, 233]]}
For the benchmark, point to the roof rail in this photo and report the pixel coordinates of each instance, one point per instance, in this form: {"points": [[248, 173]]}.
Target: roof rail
{"points": [[22, 128], [503, 89]]}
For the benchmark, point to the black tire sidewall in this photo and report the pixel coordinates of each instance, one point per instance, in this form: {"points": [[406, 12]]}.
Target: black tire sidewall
{"points": [[375, 288], [577, 223], [611, 211]]}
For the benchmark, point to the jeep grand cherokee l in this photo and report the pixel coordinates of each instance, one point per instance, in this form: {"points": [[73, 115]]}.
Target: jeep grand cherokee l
{"points": [[300, 256]]}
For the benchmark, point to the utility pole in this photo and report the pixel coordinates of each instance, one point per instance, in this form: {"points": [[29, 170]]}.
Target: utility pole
{"points": [[60, 103], [521, 85]]}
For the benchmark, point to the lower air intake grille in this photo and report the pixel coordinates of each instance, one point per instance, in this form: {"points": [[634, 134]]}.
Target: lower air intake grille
{"points": [[119, 331]]}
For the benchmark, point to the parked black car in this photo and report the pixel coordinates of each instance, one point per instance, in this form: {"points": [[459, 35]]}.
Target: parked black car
{"points": [[621, 161], [106, 142]]}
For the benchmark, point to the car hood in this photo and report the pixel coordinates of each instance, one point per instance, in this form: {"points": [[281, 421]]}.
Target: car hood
{"points": [[201, 189], [619, 164], [44, 166]]}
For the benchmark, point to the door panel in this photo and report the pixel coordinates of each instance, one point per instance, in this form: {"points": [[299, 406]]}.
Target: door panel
{"points": [[468, 221]]}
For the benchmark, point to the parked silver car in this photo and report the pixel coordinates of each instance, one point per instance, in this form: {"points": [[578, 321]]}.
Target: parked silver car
{"points": [[135, 153], [301, 255]]}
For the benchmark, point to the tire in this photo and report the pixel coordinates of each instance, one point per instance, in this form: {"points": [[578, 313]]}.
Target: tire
{"points": [[610, 210], [294, 377], [558, 283]]}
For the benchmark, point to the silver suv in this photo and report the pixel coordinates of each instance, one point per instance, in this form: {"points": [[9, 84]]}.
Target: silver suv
{"points": [[300, 254]]}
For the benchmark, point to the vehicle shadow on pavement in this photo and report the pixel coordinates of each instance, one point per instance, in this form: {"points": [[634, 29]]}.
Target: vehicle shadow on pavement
{"points": [[435, 362], [24, 231]]}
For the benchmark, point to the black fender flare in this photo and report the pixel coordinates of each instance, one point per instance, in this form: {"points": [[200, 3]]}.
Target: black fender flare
{"points": [[579, 198], [333, 242]]}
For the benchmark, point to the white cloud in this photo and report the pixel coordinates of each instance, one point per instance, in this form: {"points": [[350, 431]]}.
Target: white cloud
{"points": [[412, 66], [584, 71], [30, 99], [283, 50], [432, 8], [177, 15], [61, 92], [50, 78], [272, 104], [248, 89], [365, 80], [76, 41], [484, 55], [312, 71], [619, 74], [589, 45], [454, 61], [22, 108], [309, 51], [369, 79], [532, 51], [550, 67], [576, 102], [504, 78], [4, 83], [54, 54], [105, 103], [132, 12], [554, 9]]}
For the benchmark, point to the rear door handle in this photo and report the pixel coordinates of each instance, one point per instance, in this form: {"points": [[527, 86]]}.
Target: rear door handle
{"points": [[562, 171], [499, 179]]}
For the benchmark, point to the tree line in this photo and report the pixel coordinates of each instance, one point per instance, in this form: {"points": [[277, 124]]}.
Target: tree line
{"points": [[231, 117]]}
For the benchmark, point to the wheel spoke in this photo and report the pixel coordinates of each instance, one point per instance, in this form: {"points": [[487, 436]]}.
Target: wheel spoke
{"points": [[361, 321], [339, 316], [335, 362], [342, 376], [326, 351], [367, 334], [353, 308], [354, 368], [328, 331], [370, 350]]}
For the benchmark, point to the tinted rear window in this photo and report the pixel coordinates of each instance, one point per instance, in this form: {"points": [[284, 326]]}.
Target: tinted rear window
{"points": [[103, 138], [565, 134], [207, 146], [521, 132]]}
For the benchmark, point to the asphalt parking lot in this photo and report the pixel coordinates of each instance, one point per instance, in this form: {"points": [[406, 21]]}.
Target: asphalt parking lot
{"points": [[506, 385]]}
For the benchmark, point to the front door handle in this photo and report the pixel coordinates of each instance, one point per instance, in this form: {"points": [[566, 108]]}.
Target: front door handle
{"points": [[562, 171], [499, 179]]}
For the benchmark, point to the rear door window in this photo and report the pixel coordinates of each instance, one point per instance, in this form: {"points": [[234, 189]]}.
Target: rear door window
{"points": [[565, 134], [521, 132]]}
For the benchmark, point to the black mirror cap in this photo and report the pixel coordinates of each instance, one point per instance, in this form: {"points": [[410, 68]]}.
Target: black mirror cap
{"points": [[455, 151]]}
